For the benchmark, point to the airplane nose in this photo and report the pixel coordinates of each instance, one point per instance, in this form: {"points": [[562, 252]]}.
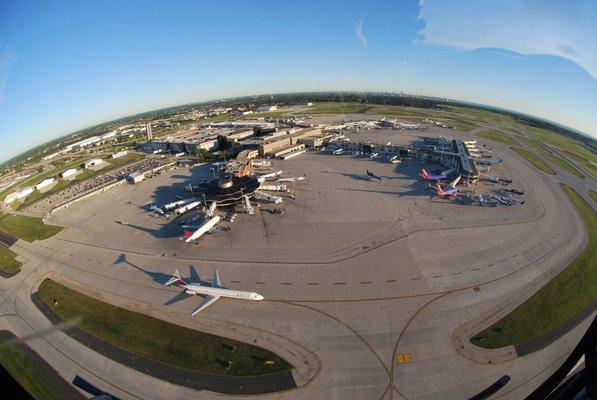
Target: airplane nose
{"points": [[259, 297]]}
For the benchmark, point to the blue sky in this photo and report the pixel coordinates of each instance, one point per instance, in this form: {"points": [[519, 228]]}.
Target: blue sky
{"points": [[68, 65]]}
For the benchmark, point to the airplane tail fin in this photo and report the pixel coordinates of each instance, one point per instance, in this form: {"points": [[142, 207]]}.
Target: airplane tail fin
{"points": [[440, 191], [175, 279], [424, 174], [187, 234]]}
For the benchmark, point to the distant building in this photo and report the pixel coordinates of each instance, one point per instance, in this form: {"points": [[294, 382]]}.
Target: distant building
{"points": [[92, 163], [69, 173], [45, 183], [108, 135], [11, 197], [50, 156], [266, 108], [19, 195]]}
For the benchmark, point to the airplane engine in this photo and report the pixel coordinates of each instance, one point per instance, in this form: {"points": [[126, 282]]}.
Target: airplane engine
{"points": [[189, 292]]}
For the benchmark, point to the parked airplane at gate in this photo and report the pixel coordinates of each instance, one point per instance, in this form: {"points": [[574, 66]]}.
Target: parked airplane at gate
{"points": [[372, 175], [437, 178], [158, 210], [211, 293], [450, 190], [293, 179]]}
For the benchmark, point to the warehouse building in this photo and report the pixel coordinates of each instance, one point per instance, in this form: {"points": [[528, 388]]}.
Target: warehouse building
{"points": [[69, 173], [92, 163], [19, 195], [45, 183]]}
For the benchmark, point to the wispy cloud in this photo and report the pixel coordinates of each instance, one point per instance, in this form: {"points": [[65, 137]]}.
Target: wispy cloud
{"points": [[531, 27], [7, 60], [358, 31]]}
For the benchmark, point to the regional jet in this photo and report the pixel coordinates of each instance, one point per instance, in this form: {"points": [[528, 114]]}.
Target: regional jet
{"points": [[211, 293], [437, 178], [372, 175]]}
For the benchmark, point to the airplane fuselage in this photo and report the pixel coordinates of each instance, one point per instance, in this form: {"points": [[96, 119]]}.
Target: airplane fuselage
{"points": [[191, 288]]}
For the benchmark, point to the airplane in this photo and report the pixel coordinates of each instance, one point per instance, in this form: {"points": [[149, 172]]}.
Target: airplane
{"points": [[262, 178], [158, 210], [481, 199], [187, 207], [502, 201], [206, 227], [431, 177], [374, 155], [293, 179], [446, 193], [372, 175], [449, 190], [178, 203], [216, 229], [337, 152], [211, 293]]}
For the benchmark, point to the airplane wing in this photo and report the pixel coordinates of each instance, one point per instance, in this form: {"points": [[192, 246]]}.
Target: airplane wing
{"points": [[454, 182], [216, 281], [206, 302]]}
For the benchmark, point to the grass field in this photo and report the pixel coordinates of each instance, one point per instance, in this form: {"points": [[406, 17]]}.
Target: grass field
{"points": [[566, 295], [593, 195], [567, 144], [564, 165], [592, 168], [27, 228], [461, 125], [414, 114], [407, 112], [270, 114], [498, 136], [159, 340], [337, 108], [533, 159], [28, 375], [8, 263], [481, 114], [532, 144]]}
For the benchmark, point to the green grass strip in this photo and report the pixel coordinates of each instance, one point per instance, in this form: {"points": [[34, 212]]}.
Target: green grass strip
{"points": [[562, 298], [564, 165], [159, 340], [27, 228], [533, 159], [8, 262], [28, 375], [498, 136]]}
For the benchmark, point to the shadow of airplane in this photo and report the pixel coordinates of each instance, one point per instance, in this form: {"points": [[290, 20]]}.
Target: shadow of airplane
{"points": [[161, 278], [349, 175]]}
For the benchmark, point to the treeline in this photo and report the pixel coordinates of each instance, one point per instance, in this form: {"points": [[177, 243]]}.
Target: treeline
{"points": [[289, 99]]}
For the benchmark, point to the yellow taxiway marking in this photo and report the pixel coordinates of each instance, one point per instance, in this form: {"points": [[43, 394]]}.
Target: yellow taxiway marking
{"points": [[404, 358]]}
